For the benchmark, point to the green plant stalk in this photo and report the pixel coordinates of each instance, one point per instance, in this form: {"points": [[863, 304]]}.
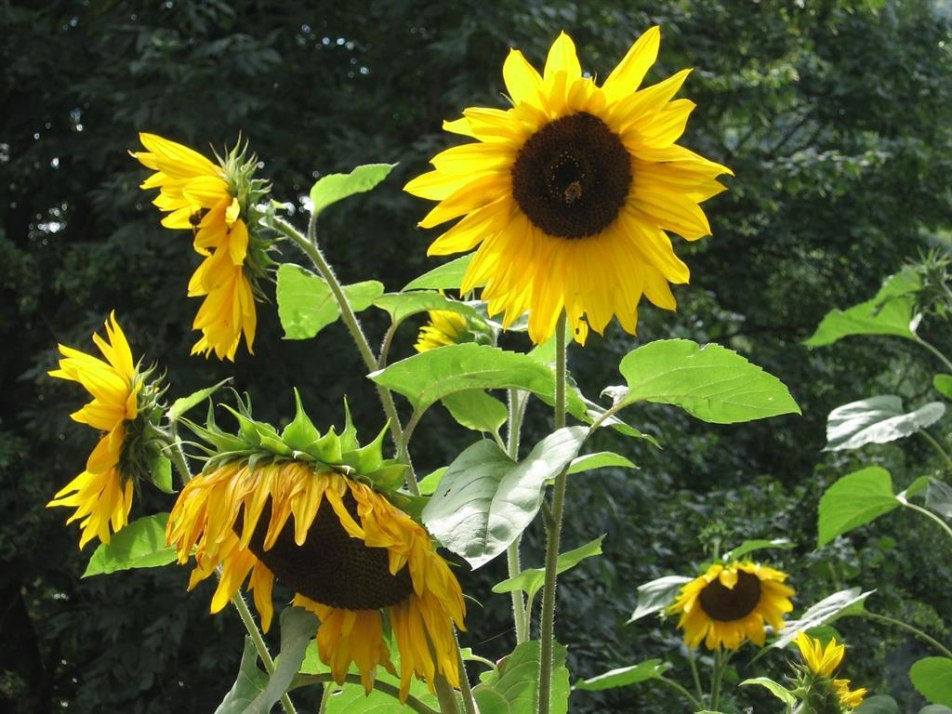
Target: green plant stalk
{"points": [[469, 703], [177, 456], [692, 661], [519, 612], [926, 512], [683, 692], [385, 687], [720, 665], [934, 350], [938, 447], [886, 620], [308, 244], [553, 533]]}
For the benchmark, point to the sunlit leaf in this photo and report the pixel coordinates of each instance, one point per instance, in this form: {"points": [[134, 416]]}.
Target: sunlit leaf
{"points": [[749, 546], [853, 501], [657, 595], [625, 676], [141, 544], [531, 580], [599, 460], [943, 385], [183, 404], [476, 410], [306, 304], [485, 500], [711, 382], [448, 276], [932, 676], [844, 603], [877, 420], [160, 473], [335, 187], [429, 483], [775, 688], [513, 688]]}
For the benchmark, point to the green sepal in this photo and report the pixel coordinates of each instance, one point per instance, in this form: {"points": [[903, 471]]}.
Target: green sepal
{"points": [[301, 434]]}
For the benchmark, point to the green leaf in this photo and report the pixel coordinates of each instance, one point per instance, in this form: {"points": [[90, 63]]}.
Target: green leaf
{"points": [[513, 687], [889, 313], [657, 595], [530, 581], [476, 410], [844, 603], [877, 420], [485, 500], [429, 376], [298, 627], [939, 498], [778, 690], [879, 704], [749, 546], [306, 304], [935, 709], [402, 305], [711, 382], [625, 676], [335, 187], [853, 501], [943, 385], [932, 676], [599, 460], [160, 471], [448, 276], [183, 404], [141, 544], [429, 483], [249, 683]]}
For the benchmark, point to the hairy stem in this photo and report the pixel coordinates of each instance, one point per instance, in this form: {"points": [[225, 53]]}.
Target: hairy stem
{"points": [[886, 620]]}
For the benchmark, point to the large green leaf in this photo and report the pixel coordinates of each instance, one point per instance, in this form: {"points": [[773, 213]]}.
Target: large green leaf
{"points": [[429, 376], [402, 305], [711, 382], [513, 687], [485, 500], [249, 683], [878, 704], [625, 676], [853, 501], [448, 276], [531, 580], [298, 627], [600, 460], [335, 187], [844, 603], [775, 688], [141, 544], [889, 313], [877, 420], [476, 410], [306, 304], [657, 595], [932, 676]]}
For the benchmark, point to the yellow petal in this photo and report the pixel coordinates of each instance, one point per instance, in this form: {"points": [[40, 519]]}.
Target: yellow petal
{"points": [[630, 72]]}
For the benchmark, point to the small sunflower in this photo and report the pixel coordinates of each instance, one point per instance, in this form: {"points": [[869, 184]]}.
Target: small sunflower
{"points": [[301, 508], [445, 327], [568, 194], [214, 201], [102, 494], [731, 603], [822, 662]]}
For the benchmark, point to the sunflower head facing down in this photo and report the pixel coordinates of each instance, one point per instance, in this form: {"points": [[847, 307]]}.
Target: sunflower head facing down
{"points": [[821, 692], [569, 194], [310, 510], [217, 203], [122, 405], [731, 603]]}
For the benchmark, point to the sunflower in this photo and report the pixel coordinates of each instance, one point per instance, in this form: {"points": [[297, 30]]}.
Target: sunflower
{"points": [[213, 201], [102, 494], [353, 558], [446, 327], [568, 194], [731, 603], [822, 662]]}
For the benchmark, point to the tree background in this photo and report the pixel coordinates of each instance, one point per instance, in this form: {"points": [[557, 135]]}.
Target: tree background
{"points": [[834, 114]]}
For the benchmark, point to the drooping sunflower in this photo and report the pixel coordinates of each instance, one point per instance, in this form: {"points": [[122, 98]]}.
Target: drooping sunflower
{"points": [[214, 202], [569, 193], [102, 493], [822, 662], [732, 603], [302, 509]]}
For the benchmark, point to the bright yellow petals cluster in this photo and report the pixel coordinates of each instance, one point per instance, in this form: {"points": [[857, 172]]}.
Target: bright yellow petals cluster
{"points": [[102, 495], [222, 516], [445, 327], [197, 195], [823, 662], [568, 194], [730, 604]]}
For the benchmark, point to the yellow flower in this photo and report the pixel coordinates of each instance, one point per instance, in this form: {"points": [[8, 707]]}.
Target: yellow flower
{"points": [[730, 604], [569, 193], [345, 550], [212, 200], [848, 699], [446, 327], [102, 494], [823, 662]]}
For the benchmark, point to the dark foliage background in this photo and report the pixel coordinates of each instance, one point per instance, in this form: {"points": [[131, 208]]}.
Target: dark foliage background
{"points": [[834, 114]]}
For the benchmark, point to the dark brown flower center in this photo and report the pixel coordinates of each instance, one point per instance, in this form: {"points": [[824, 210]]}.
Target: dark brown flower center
{"points": [[572, 177], [726, 605], [331, 567]]}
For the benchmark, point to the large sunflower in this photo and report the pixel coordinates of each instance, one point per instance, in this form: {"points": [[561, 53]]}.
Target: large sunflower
{"points": [[822, 662], [102, 494], [569, 193], [211, 200], [350, 555], [731, 603]]}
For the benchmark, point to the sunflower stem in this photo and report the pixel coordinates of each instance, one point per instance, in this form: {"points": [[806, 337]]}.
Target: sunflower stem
{"points": [[308, 244], [938, 447], [683, 692], [469, 703], [520, 615], [926, 512], [692, 661], [886, 620], [934, 350], [547, 626], [720, 664]]}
